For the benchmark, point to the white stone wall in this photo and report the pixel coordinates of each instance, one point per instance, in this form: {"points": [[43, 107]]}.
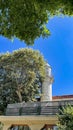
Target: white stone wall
{"points": [[47, 85]]}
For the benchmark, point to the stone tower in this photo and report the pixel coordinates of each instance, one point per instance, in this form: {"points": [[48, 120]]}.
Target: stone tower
{"points": [[47, 85]]}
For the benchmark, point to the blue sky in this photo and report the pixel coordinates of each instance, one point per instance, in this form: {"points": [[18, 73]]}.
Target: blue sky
{"points": [[56, 49]]}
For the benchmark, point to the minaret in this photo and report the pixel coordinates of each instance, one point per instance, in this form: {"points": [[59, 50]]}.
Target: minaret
{"points": [[47, 85]]}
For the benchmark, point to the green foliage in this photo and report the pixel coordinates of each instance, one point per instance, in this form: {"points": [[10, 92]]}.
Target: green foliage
{"points": [[21, 76], [66, 118], [1, 126], [26, 19]]}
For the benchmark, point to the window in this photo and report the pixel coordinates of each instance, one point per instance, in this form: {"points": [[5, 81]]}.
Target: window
{"points": [[55, 128], [19, 128]]}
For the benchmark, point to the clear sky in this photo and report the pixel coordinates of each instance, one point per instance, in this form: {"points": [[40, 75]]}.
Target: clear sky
{"points": [[56, 49]]}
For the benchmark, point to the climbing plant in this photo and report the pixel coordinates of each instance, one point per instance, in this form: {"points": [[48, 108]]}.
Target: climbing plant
{"points": [[66, 118]]}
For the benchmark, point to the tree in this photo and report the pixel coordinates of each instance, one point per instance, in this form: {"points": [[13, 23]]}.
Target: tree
{"points": [[26, 19], [66, 118], [21, 76]]}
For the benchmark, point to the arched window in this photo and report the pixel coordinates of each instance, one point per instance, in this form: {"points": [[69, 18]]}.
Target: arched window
{"points": [[49, 127], [19, 127]]}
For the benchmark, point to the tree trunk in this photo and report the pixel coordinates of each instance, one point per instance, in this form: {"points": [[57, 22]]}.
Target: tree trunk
{"points": [[19, 95]]}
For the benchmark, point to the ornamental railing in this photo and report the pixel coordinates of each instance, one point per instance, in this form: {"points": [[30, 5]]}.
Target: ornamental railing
{"points": [[36, 108]]}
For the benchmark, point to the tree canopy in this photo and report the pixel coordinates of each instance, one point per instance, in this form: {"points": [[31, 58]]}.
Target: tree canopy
{"points": [[66, 118], [26, 19], [21, 76]]}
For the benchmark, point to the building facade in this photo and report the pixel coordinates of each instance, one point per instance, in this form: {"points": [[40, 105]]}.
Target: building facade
{"points": [[36, 115]]}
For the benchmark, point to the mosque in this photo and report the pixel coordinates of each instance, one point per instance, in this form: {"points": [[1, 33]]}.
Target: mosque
{"points": [[40, 115]]}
